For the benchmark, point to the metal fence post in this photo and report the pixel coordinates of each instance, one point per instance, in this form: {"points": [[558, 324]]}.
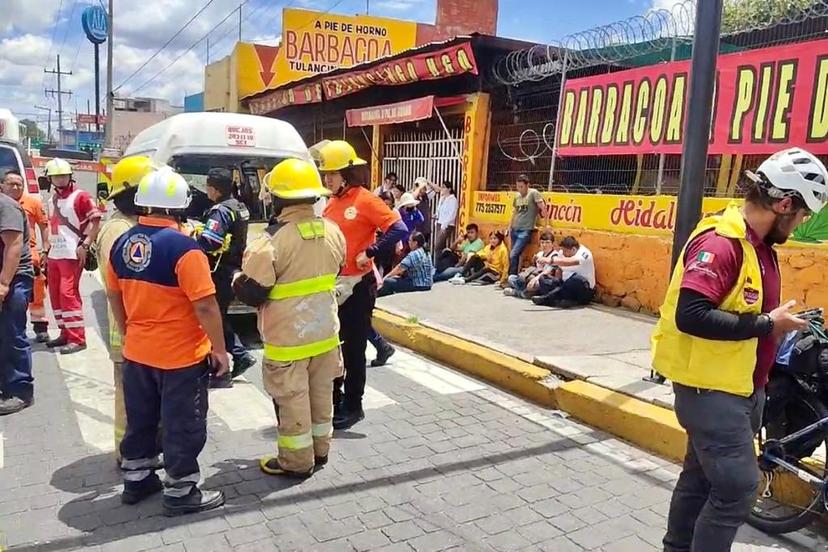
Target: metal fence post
{"points": [[697, 121], [557, 124]]}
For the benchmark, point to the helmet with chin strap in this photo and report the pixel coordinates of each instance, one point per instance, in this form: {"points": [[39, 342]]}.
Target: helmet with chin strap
{"points": [[794, 172]]}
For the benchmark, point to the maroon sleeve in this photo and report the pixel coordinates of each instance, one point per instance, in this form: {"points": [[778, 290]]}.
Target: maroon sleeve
{"points": [[711, 265], [85, 208]]}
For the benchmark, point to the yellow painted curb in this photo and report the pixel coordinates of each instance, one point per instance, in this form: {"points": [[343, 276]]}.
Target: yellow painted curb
{"points": [[523, 378], [647, 425], [643, 424]]}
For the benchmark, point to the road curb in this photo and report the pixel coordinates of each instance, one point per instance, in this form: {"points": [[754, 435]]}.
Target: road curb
{"points": [[646, 425], [520, 377]]}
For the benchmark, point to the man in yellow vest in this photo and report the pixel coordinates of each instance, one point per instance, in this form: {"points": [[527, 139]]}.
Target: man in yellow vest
{"points": [[289, 274], [717, 339], [126, 175]]}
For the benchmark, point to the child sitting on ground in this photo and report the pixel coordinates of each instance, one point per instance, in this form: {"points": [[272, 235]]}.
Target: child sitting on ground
{"points": [[527, 283], [488, 266]]}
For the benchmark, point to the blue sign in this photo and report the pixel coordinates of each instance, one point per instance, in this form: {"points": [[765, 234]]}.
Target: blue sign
{"points": [[95, 24]]}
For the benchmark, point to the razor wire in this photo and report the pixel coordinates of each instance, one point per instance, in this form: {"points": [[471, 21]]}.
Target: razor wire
{"points": [[636, 36]]}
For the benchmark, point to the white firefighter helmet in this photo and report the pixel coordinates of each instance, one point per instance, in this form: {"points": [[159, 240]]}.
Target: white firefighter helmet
{"points": [[163, 189]]}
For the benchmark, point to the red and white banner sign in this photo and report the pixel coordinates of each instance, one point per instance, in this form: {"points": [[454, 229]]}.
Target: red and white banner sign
{"points": [[89, 119], [389, 114], [765, 99]]}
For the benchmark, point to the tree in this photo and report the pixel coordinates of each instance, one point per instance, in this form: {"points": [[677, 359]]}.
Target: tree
{"points": [[32, 130], [744, 15]]}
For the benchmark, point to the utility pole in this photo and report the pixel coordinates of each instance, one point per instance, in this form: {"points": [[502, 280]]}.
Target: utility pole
{"points": [[109, 98], [49, 123], [697, 121], [60, 93], [240, 21]]}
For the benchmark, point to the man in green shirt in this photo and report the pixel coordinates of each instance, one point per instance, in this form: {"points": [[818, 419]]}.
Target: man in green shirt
{"points": [[465, 247], [528, 203]]}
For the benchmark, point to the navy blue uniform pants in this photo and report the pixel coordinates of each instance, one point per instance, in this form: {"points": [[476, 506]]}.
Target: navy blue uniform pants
{"points": [[15, 350], [177, 399]]}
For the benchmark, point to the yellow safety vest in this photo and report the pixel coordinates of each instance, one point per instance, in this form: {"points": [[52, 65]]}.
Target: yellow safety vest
{"points": [[326, 283], [726, 366]]}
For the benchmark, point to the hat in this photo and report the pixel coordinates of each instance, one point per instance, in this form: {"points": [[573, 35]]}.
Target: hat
{"points": [[407, 200]]}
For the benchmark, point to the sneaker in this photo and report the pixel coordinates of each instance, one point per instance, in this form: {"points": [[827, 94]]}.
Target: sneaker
{"points": [[196, 501], [348, 418], [510, 292], [458, 282], [241, 365], [137, 491], [270, 466], [383, 356], [13, 405], [72, 348], [58, 342]]}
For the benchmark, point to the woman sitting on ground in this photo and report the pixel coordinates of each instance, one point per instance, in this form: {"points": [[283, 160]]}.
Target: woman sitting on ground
{"points": [[488, 266], [527, 283], [414, 273]]}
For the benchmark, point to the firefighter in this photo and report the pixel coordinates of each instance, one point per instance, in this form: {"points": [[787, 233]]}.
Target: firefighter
{"points": [[289, 274], [74, 221], [126, 175], [224, 237], [163, 299], [37, 219], [359, 214]]}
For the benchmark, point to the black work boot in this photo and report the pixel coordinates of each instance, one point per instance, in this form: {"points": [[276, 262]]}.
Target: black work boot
{"points": [[41, 330], [348, 418], [57, 342], [242, 364], [194, 502], [223, 382], [270, 465], [136, 491], [383, 354]]}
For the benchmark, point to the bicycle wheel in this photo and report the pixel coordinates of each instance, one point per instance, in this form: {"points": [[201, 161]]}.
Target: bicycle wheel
{"points": [[775, 514]]}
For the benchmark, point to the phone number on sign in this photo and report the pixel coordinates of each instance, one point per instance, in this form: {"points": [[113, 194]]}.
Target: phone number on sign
{"points": [[490, 208]]}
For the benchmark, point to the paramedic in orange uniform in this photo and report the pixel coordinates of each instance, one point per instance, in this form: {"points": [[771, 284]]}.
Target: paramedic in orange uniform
{"points": [[36, 215], [164, 302], [359, 214]]}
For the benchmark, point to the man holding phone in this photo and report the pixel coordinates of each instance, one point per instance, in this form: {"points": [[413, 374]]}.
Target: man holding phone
{"points": [[717, 338]]}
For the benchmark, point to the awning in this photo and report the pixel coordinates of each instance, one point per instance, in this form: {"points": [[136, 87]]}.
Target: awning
{"points": [[400, 112]]}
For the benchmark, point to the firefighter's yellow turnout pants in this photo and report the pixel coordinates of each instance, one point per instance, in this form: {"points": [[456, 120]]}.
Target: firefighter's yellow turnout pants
{"points": [[302, 390]]}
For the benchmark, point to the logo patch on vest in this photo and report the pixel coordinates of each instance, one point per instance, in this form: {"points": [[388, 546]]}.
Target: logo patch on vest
{"points": [[137, 252], [751, 295], [350, 213]]}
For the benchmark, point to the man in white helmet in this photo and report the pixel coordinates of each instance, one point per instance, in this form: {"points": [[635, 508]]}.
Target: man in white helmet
{"points": [[164, 302], [74, 221], [717, 339]]}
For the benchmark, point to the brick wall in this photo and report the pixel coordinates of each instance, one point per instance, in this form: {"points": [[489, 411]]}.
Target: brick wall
{"points": [[460, 17]]}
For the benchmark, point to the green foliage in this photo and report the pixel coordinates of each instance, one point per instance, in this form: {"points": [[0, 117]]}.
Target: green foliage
{"points": [[740, 15], [814, 230], [32, 130]]}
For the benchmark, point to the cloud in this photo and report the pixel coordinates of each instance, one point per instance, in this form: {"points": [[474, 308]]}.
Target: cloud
{"points": [[28, 15], [25, 49], [399, 5]]}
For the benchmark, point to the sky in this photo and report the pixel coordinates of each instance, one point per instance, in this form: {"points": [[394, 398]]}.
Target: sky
{"points": [[34, 32]]}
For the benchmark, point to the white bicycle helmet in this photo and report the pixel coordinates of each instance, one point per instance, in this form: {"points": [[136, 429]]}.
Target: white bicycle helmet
{"points": [[794, 172], [163, 189]]}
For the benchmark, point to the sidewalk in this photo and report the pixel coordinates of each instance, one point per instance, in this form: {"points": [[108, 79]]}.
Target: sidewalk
{"points": [[601, 345]]}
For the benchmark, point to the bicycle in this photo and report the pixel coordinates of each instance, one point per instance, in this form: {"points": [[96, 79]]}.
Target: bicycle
{"points": [[795, 430]]}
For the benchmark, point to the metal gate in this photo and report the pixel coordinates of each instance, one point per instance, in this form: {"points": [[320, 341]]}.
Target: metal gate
{"points": [[430, 154]]}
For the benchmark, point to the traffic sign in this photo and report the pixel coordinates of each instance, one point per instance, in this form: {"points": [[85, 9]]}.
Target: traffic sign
{"points": [[95, 24]]}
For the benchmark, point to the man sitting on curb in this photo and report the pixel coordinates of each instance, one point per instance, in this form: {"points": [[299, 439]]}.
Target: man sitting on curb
{"points": [[575, 284]]}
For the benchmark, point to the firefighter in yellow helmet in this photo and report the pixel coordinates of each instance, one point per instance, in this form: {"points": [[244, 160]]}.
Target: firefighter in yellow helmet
{"points": [[126, 175], [289, 273]]}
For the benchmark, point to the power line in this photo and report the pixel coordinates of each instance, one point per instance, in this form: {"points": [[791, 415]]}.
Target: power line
{"points": [[188, 50], [51, 42], [68, 26], [173, 37], [227, 33]]}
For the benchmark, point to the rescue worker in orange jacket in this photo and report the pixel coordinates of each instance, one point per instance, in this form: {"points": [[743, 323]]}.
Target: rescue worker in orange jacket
{"points": [[289, 273], [359, 214]]}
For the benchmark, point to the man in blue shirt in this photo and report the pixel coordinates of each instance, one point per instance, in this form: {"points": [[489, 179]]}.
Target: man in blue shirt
{"points": [[414, 273]]}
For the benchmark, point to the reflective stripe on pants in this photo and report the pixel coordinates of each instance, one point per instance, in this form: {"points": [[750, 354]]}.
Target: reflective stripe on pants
{"points": [[302, 390], [64, 294]]}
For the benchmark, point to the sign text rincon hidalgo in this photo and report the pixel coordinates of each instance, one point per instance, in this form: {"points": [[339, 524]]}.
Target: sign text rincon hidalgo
{"points": [[765, 99]]}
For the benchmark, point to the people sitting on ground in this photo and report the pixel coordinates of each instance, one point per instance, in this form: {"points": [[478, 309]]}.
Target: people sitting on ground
{"points": [[574, 284], [415, 271], [527, 283], [490, 265], [450, 262]]}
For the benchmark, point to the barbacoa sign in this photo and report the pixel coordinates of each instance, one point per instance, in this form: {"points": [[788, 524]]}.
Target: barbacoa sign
{"points": [[765, 99]]}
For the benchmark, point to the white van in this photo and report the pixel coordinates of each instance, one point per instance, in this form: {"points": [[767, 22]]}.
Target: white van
{"points": [[248, 145]]}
